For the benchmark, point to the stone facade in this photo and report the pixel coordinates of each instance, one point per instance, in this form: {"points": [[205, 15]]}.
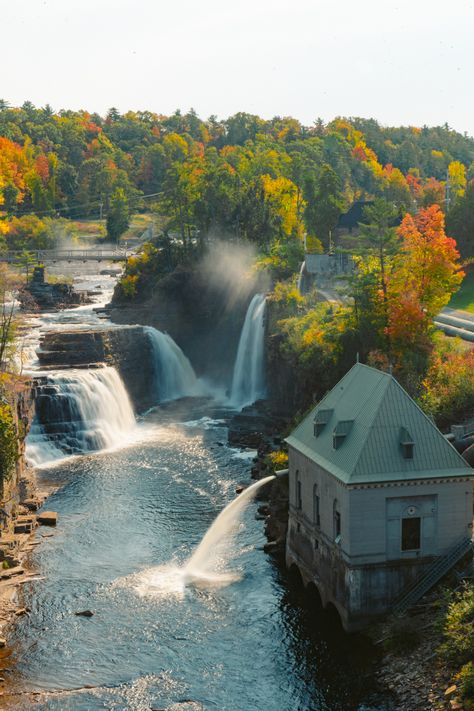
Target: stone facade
{"points": [[366, 520]]}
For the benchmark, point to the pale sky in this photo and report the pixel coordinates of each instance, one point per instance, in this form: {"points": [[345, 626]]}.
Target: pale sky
{"points": [[399, 61]]}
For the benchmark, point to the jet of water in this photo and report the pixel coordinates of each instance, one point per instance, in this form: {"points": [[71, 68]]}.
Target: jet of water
{"points": [[204, 568], [217, 538]]}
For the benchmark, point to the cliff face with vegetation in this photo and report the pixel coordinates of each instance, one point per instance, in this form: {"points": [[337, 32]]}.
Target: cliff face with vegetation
{"points": [[16, 415], [202, 313]]}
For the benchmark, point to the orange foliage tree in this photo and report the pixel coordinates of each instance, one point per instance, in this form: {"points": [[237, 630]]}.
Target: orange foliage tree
{"points": [[425, 275]]}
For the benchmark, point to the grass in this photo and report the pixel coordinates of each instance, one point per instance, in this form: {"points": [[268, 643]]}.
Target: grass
{"points": [[464, 298]]}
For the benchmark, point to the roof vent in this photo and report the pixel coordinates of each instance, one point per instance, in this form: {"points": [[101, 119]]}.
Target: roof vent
{"points": [[340, 432], [321, 419], [406, 443]]}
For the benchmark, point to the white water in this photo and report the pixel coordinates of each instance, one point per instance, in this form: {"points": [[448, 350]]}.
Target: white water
{"points": [[88, 410], [174, 374], [301, 278], [248, 382], [206, 566]]}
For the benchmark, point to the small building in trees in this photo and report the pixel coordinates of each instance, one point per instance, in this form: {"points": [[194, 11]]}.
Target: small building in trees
{"points": [[377, 497]]}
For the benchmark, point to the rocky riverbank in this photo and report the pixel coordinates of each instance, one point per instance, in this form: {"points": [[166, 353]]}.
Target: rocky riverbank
{"points": [[19, 500], [413, 667]]}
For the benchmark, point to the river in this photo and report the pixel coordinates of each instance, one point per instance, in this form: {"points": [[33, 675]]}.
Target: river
{"points": [[128, 519]]}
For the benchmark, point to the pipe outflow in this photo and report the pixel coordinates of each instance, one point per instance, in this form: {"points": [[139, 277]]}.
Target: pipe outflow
{"points": [[282, 473]]}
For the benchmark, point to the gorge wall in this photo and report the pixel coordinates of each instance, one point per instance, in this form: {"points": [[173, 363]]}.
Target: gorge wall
{"points": [[18, 484], [129, 349], [202, 314]]}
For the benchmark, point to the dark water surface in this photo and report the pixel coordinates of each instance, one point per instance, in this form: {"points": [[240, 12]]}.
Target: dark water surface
{"points": [[256, 644]]}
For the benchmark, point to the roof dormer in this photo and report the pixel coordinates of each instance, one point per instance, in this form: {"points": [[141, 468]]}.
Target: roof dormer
{"points": [[340, 432], [407, 444], [321, 419]]}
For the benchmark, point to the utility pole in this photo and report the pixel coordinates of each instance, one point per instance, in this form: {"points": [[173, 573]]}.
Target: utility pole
{"points": [[101, 205]]}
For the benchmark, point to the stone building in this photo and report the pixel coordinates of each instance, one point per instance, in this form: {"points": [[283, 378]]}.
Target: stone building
{"points": [[377, 496]]}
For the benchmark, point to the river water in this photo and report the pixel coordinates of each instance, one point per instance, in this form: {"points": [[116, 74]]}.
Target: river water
{"points": [[129, 517]]}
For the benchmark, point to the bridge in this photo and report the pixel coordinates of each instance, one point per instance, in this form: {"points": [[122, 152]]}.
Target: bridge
{"points": [[42, 256]]}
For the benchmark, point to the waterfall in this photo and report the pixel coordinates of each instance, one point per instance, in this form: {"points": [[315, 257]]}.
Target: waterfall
{"points": [[248, 382], [301, 284], [174, 376], [78, 411]]}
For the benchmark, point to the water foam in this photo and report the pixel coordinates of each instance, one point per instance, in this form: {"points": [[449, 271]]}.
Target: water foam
{"points": [[206, 567]]}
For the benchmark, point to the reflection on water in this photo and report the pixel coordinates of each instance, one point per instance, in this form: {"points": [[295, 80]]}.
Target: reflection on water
{"points": [[128, 520]]}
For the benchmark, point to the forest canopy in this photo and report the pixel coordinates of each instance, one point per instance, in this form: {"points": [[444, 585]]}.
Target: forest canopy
{"points": [[260, 180]]}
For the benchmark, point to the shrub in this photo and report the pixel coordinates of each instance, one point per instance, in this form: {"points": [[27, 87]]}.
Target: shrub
{"points": [[447, 390], [8, 441], [276, 461], [458, 632], [466, 682]]}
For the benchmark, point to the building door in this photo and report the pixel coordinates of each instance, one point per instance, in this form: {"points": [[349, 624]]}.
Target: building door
{"points": [[411, 526]]}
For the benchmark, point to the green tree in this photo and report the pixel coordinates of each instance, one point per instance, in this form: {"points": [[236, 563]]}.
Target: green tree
{"points": [[118, 217], [378, 237], [460, 222], [324, 203]]}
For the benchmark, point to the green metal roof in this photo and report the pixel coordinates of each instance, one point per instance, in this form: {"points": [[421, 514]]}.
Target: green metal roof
{"points": [[371, 451]]}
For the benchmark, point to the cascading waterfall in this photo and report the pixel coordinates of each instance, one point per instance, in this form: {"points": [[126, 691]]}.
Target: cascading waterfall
{"points": [[248, 382], [301, 284], [174, 374], [79, 411]]}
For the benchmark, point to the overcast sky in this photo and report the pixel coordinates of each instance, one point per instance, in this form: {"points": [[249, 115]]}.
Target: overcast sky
{"points": [[401, 61]]}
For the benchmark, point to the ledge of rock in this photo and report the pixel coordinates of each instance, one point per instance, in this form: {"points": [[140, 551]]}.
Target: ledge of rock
{"points": [[127, 348]]}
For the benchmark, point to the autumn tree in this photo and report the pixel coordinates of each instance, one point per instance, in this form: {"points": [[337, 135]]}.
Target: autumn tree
{"points": [[456, 179], [425, 275]]}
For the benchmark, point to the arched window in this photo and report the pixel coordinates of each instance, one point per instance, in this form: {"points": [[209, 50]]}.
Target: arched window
{"points": [[336, 521], [316, 504]]}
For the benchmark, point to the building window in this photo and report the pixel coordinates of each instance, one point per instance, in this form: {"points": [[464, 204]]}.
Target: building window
{"points": [[411, 534], [316, 512], [337, 521], [299, 499]]}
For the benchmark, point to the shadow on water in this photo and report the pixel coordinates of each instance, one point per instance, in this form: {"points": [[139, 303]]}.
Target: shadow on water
{"points": [[335, 670]]}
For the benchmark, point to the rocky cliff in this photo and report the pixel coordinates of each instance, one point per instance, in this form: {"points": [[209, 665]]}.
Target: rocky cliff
{"points": [[127, 348], [203, 317], [18, 484]]}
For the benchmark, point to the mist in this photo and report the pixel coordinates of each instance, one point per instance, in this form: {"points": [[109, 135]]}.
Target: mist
{"points": [[230, 269]]}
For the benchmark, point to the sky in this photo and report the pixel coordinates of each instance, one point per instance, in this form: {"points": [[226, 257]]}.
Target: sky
{"points": [[407, 62]]}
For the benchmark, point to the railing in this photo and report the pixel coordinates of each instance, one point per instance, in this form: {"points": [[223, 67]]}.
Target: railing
{"points": [[58, 255], [431, 576]]}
